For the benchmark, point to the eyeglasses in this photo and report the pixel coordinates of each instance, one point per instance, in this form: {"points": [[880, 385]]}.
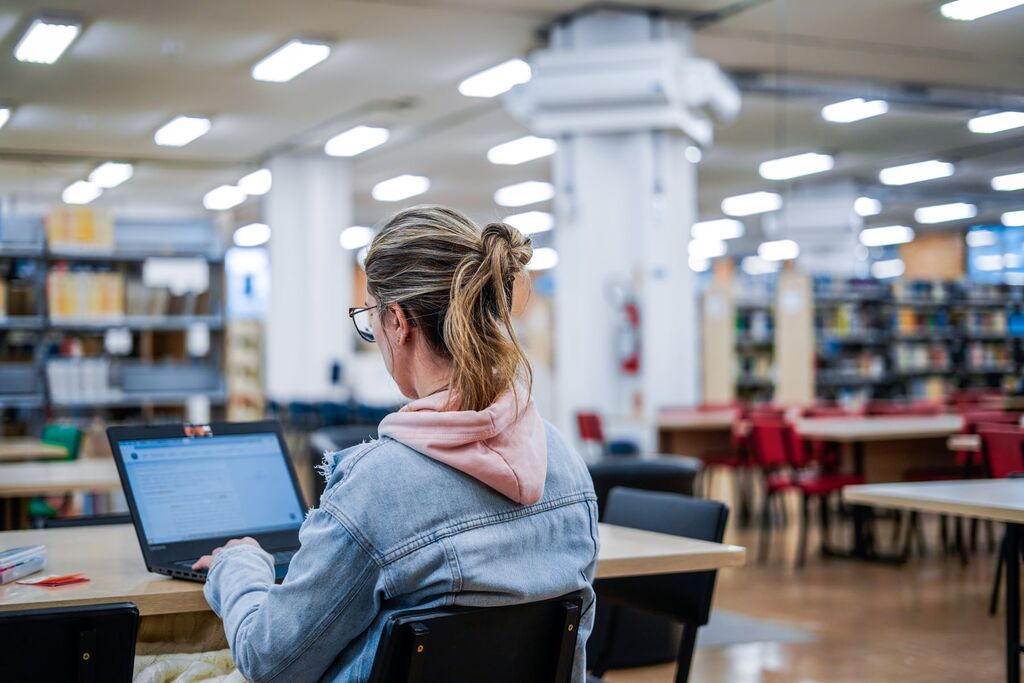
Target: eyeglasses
{"points": [[363, 324]]}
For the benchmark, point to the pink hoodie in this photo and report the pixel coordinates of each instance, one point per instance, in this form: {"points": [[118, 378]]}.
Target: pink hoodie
{"points": [[492, 446]]}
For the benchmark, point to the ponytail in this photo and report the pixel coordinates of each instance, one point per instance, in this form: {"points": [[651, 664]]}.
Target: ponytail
{"points": [[456, 282]]}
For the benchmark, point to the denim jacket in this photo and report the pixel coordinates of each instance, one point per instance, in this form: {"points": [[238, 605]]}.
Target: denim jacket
{"points": [[395, 531]]}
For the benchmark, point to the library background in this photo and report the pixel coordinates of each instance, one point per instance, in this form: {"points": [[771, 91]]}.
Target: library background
{"points": [[778, 262]]}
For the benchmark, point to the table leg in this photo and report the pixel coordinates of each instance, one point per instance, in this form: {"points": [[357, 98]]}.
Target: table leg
{"points": [[1013, 644]]}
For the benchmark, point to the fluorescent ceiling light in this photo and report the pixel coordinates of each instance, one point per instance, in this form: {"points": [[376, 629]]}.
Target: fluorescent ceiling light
{"points": [[980, 238], [356, 141], [355, 237], [257, 183], [699, 264], [969, 10], [749, 204], [400, 187], [111, 174], [856, 109], [5, 116], [1014, 261], [916, 172], [496, 80], [526, 148], [361, 257], [867, 206], [755, 265], [531, 222], [46, 39], [796, 166], [942, 213], [989, 262], [886, 235], [223, 198], [778, 250], [1013, 218], [888, 268], [1008, 182], [543, 258], [718, 229], [290, 60], [521, 194], [81, 192], [1014, 278], [181, 130], [252, 235], [996, 123], [693, 154], [707, 248]]}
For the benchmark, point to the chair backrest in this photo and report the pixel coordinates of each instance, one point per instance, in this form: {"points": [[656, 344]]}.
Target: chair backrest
{"points": [[769, 442], [529, 642], [1001, 449], [685, 597], [973, 418], [670, 473], [590, 427], [86, 520], [82, 644], [67, 436]]}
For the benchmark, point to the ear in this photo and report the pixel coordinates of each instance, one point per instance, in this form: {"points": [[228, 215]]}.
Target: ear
{"points": [[398, 324]]}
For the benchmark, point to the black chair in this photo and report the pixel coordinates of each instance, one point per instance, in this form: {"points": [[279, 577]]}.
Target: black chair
{"points": [[86, 520], [530, 642], [82, 644], [683, 597], [641, 639]]}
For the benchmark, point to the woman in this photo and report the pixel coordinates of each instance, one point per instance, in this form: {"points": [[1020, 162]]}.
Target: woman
{"points": [[467, 498]]}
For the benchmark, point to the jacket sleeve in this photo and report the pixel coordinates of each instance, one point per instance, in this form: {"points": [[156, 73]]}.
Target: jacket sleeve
{"points": [[293, 631]]}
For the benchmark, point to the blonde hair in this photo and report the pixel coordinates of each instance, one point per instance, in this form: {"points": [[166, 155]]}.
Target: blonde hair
{"points": [[455, 282]]}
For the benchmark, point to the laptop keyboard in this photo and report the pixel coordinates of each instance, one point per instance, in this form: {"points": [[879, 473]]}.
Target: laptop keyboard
{"points": [[280, 557]]}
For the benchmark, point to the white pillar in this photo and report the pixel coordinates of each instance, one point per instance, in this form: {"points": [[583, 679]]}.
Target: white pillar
{"points": [[310, 276], [625, 97]]}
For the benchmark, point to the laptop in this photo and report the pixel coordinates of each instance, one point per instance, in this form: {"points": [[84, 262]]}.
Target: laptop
{"points": [[191, 488]]}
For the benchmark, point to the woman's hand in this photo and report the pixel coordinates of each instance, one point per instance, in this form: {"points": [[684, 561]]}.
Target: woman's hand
{"points": [[205, 561]]}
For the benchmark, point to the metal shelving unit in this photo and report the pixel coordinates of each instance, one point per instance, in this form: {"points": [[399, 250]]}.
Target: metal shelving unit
{"points": [[142, 240]]}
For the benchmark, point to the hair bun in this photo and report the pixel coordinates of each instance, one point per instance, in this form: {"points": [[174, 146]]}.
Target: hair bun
{"points": [[505, 238]]}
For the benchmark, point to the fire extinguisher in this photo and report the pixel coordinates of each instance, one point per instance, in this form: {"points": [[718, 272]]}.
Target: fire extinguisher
{"points": [[629, 338]]}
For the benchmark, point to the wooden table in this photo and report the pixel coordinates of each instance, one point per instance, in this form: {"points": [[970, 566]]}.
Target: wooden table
{"points": [[999, 500], [885, 447], [110, 556], [23, 480], [695, 432], [13, 450], [27, 479]]}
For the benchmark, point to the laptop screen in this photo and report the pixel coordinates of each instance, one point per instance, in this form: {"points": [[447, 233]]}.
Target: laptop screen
{"points": [[193, 488]]}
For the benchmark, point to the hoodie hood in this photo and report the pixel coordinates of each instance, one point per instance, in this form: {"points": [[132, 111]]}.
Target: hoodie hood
{"points": [[494, 446]]}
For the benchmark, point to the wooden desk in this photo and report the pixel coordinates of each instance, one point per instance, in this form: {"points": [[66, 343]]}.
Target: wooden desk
{"points": [[110, 556], [695, 432], [865, 429], [26, 479], [13, 450], [884, 448], [1001, 500]]}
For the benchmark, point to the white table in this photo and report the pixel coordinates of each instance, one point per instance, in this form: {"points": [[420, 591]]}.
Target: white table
{"points": [[1000, 500]]}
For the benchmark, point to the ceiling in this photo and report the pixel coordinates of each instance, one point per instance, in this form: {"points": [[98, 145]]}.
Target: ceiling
{"points": [[398, 62]]}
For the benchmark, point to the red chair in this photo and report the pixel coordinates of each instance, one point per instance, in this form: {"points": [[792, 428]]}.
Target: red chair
{"points": [[786, 465], [591, 431], [1001, 450]]}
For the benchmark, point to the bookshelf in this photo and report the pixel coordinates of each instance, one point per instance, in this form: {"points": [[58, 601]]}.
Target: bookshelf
{"points": [[87, 328]]}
